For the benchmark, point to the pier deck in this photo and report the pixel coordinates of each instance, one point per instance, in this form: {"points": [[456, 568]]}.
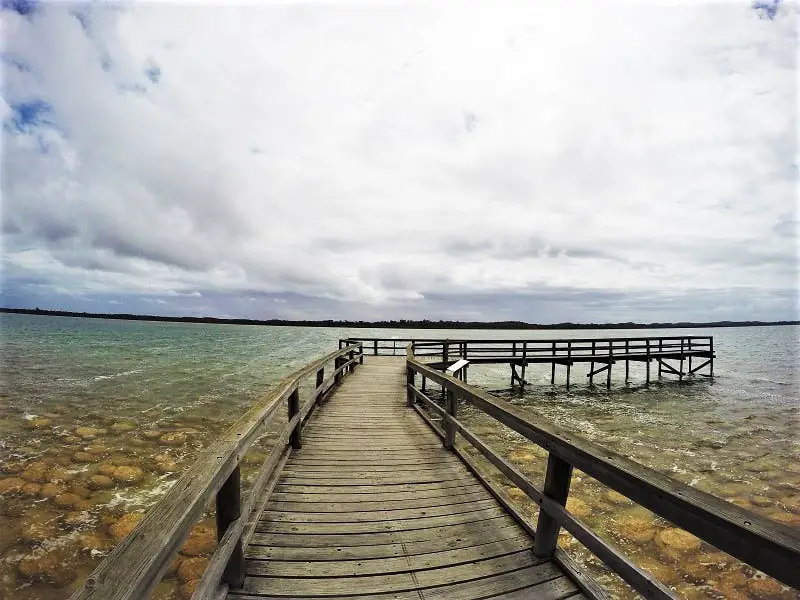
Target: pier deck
{"points": [[372, 504]]}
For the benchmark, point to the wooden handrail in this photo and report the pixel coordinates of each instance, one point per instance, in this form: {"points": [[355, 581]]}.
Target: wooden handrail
{"points": [[762, 543], [136, 565]]}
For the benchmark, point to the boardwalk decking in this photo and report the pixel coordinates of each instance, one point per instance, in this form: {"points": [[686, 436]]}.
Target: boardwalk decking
{"points": [[373, 507]]}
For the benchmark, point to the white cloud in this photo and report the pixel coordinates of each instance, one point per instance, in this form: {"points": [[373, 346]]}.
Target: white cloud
{"points": [[404, 150]]}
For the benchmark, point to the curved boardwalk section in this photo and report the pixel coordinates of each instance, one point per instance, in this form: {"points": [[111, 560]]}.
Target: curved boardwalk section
{"points": [[373, 507]]}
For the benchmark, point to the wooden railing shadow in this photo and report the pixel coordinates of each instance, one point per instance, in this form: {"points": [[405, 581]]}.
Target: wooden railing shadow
{"points": [[137, 564], [760, 542]]}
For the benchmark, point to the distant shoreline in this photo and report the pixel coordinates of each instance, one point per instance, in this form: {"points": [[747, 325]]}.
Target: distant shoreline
{"points": [[395, 324]]}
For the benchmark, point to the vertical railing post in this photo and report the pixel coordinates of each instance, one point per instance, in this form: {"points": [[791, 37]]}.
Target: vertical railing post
{"points": [[569, 361], [591, 368], [610, 362], [449, 426], [680, 377], [690, 355], [660, 352], [445, 350], [228, 509], [350, 356], [294, 408], [375, 347], [410, 381], [361, 354], [648, 360], [711, 348], [627, 362], [320, 379], [556, 487], [553, 366]]}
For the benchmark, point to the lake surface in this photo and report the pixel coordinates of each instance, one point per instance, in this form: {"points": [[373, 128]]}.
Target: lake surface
{"points": [[98, 418]]}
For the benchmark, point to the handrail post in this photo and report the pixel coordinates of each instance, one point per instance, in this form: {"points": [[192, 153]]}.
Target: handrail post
{"points": [[294, 408], [627, 362], [591, 367], [711, 347], [350, 357], [375, 347], [660, 352], [690, 355], [648, 360], [680, 377], [553, 367], [410, 382], [610, 361], [556, 487], [337, 362], [361, 354], [228, 509], [569, 361], [449, 426], [445, 350], [320, 378]]}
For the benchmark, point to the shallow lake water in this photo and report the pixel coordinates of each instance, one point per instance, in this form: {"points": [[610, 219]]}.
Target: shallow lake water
{"points": [[98, 418]]}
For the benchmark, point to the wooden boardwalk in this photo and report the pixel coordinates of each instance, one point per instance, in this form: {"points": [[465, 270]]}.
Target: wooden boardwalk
{"points": [[373, 507]]}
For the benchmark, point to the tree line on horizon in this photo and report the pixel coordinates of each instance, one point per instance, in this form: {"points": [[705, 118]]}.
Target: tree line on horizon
{"points": [[393, 323]]}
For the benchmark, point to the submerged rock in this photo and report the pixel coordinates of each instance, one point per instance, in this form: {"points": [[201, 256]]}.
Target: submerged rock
{"points": [[51, 490], [37, 423], [84, 457], [59, 475], [100, 482], [128, 475], [66, 500], [93, 542], [106, 469], [192, 568], [11, 486], [578, 507], [201, 540], [175, 438], [617, 498], [123, 426], [54, 567], [38, 526], [766, 587], [635, 528], [673, 543], [122, 528], [187, 589], [89, 433], [664, 573]]}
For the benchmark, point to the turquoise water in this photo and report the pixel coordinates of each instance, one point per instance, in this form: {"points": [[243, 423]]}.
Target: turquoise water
{"points": [[136, 381]]}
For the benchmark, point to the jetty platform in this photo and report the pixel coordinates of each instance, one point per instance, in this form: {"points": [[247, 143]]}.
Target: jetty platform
{"points": [[368, 494]]}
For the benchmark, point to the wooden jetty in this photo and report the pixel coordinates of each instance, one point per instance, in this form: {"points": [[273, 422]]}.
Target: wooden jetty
{"points": [[671, 354], [369, 495]]}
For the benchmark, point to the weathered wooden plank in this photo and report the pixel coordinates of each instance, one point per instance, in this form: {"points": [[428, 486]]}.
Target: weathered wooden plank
{"points": [[439, 494], [371, 479], [370, 516], [481, 588], [381, 464], [375, 488], [374, 584], [555, 589], [267, 526], [357, 504], [479, 529], [386, 566], [396, 474], [380, 551]]}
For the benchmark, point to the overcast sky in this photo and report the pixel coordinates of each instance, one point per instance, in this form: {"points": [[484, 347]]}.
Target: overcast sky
{"points": [[577, 161]]}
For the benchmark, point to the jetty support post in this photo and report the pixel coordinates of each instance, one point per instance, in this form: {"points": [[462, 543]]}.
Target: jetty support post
{"points": [[449, 426], [569, 361], [591, 368], [294, 408], [320, 379], [711, 364], [660, 366], [337, 377], [524, 365], [690, 356], [610, 361], [627, 363], [229, 509], [680, 373], [350, 356], [553, 367], [647, 343], [556, 487]]}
